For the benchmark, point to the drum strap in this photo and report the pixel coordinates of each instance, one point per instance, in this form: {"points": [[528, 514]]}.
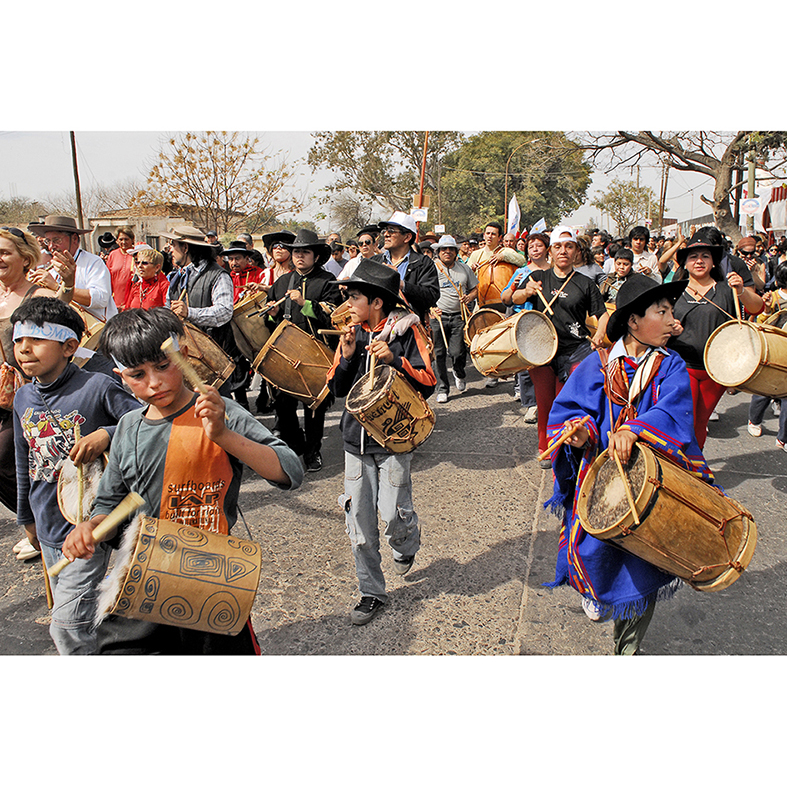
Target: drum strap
{"points": [[557, 294], [617, 387]]}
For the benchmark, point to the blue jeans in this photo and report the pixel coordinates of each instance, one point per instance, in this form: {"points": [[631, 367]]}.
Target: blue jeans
{"points": [[372, 483], [757, 408], [74, 593]]}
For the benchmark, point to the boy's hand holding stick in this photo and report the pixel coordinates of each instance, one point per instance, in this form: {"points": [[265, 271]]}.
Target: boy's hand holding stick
{"points": [[567, 432]]}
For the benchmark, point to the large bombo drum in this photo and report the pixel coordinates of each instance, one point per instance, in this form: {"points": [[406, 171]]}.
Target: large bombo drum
{"points": [[514, 344], [212, 365], [748, 356], [248, 324], [390, 410], [176, 575], [688, 527], [296, 363], [480, 319]]}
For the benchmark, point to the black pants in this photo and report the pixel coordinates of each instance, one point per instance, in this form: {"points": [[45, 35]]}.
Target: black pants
{"points": [[454, 328], [307, 441]]}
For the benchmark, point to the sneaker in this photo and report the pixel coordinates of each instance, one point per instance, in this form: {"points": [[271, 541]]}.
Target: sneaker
{"points": [[780, 444], [714, 416], [595, 611], [732, 391], [755, 430], [461, 383], [313, 463], [403, 565], [491, 382], [516, 392], [776, 406], [442, 398], [545, 464], [531, 415], [366, 609], [20, 545], [28, 553]]}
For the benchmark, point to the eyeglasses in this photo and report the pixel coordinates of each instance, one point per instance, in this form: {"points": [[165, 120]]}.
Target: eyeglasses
{"points": [[746, 253], [278, 246], [146, 262], [365, 242]]}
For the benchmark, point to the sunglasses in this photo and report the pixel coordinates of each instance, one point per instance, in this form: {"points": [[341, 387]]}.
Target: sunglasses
{"points": [[16, 233], [365, 242], [278, 246], [746, 253]]}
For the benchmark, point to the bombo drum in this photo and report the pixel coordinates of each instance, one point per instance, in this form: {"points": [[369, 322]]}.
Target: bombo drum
{"points": [[169, 573], [248, 324], [390, 410], [77, 488], [212, 365], [514, 344], [749, 356], [480, 319], [687, 527]]}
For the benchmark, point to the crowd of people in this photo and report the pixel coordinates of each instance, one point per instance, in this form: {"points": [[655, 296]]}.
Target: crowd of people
{"points": [[645, 305]]}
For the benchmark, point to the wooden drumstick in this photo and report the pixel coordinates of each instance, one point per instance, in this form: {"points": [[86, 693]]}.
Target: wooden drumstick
{"points": [[329, 332], [188, 370], [626, 485], [562, 437], [80, 477], [127, 506], [737, 305], [440, 323], [546, 302]]}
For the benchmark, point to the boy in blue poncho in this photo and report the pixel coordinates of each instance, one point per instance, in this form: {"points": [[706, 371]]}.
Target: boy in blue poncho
{"points": [[651, 401]]}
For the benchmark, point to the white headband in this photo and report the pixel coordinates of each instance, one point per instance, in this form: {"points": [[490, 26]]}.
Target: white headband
{"points": [[49, 330]]}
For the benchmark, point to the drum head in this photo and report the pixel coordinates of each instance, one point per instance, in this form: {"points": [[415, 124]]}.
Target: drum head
{"points": [[361, 395], [733, 353], [608, 503], [536, 338], [68, 488]]}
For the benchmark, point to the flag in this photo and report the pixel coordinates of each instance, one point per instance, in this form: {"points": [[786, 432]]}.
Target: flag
{"points": [[514, 215], [539, 226]]}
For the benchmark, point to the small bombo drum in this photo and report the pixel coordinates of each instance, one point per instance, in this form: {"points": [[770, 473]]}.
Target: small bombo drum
{"points": [[480, 319], [492, 280], [296, 363], [688, 527], [514, 344], [341, 317], [212, 365], [74, 509], [177, 575], [390, 410], [749, 356], [248, 324]]}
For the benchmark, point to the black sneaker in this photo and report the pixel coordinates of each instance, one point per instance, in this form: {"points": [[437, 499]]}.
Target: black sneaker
{"points": [[313, 463], [366, 609], [403, 565]]}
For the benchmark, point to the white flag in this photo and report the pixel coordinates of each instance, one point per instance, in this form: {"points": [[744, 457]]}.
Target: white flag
{"points": [[539, 226], [514, 215]]}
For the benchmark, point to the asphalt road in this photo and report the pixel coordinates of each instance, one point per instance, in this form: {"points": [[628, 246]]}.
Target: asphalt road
{"points": [[487, 548]]}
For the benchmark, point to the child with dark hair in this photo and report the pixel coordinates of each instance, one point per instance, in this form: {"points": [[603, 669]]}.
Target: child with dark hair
{"points": [[181, 440], [62, 397], [377, 479], [637, 391]]}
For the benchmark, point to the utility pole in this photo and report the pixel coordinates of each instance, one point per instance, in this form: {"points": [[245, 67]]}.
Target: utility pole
{"points": [[750, 189], [76, 181]]}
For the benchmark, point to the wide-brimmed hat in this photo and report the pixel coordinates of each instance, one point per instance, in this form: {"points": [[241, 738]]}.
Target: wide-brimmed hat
{"points": [[378, 277], [446, 242], [138, 247], [106, 240], [401, 220], [284, 237], [699, 242], [187, 234], [237, 247], [57, 224], [306, 239], [636, 294]]}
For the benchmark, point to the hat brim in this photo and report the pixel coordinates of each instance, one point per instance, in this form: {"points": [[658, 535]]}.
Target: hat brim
{"points": [[375, 288], [322, 251], [42, 229], [181, 239], [717, 252], [617, 326]]}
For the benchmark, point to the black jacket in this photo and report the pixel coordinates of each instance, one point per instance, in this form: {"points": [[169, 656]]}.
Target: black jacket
{"points": [[421, 285]]}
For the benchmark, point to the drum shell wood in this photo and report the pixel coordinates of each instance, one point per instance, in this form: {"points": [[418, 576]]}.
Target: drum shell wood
{"points": [[296, 363], [183, 576], [341, 317], [749, 356], [67, 486], [391, 410], [688, 528], [94, 327], [480, 319], [492, 280], [512, 345], [249, 326], [212, 365]]}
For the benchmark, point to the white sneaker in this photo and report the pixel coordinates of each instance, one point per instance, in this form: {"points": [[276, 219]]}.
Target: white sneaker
{"points": [[531, 415], [595, 611], [20, 545], [780, 444], [776, 406], [714, 416], [461, 384], [491, 382], [755, 430], [442, 398], [27, 553]]}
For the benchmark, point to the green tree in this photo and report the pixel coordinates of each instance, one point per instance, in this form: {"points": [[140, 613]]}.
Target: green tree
{"points": [[627, 204], [545, 170], [227, 176]]}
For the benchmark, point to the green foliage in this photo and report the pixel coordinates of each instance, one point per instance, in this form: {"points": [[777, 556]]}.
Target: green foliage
{"points": [[626, 204]]}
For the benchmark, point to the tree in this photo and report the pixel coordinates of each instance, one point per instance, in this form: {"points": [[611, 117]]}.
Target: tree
{"points": [[719, 155], [233, 182], [382, 166], [626, 203], [546, 171], [20, 211]]}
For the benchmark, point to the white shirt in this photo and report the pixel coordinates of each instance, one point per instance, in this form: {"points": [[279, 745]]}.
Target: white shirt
{"points": [[93, 275]]}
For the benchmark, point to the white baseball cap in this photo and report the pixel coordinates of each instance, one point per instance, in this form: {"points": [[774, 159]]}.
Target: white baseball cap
{"points": [[402, 220], [562, 230]]}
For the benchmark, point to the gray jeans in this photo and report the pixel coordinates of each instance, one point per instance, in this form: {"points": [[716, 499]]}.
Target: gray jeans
{"points": [[378, 483]]}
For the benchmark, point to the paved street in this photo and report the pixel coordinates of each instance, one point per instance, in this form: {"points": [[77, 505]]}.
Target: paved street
{"points": [[487, 547]]}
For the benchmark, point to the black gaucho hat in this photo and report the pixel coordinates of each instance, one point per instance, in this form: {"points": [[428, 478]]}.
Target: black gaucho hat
{"points": [[636, 294], [106, 240], [306, 239], [237, 247], [378, 277], [284, 237], [700, 240], [369, 229]]}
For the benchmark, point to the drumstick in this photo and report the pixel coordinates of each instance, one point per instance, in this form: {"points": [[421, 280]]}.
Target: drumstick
{"points": [[273, 305], [562, 437], [50, 601], [546, 303], [80, 478], [737, 305], [188, 370], [329, 332], [626, 485], [440, 323], [127, 506]]}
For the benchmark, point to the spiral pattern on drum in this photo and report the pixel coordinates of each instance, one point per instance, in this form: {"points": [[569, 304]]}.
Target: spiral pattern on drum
{"points": [[177, 609], [221, 611], [193, 536], [168, 544], [135, 574], [248, 548], [152, 585]]}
